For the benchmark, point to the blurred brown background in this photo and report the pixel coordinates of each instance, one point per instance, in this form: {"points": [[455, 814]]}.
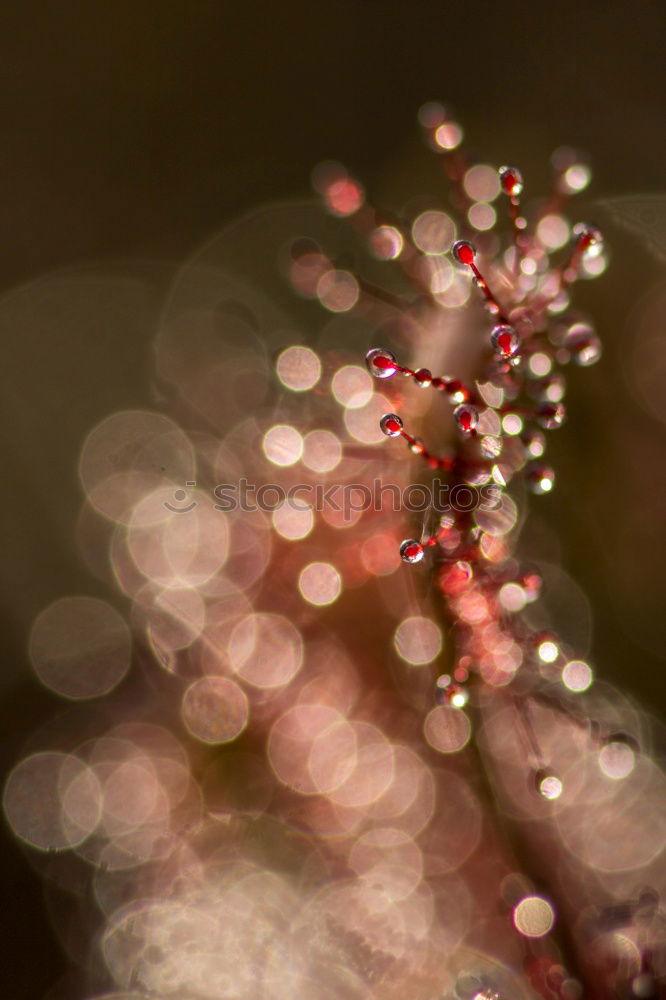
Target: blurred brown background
{"points": [[132, 131]]}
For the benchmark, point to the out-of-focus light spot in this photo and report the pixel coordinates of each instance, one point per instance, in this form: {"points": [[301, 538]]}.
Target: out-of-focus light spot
{"points": [[459, 698], [292, 522], [409, 801], [528, 266], [592, 267], [617, 760], [491, 446], [341, 193], [431, 114], [266, 650], [342, 509], [482, 183], [374, 767], [448, 136], [128, 455], [291, 740], [566, 156], [482, 216], [52, 801], [559, 303], [343, 197], [576, 177], [320, 583], [215, 709], [440, 273], [643, 986], [380, 555], [553, 231], [298, 368], [533, 917], [333, 756], [548, 651], [549, 786], [338, 291], [303, 742], [500, 520], [489, 422], [512, 597], [282, 445], [577, 675], [457, 294], [388, 858], [206, 935], [433, 232], [472, 607], [494, 549], [80, 647], [447, 729], [541, 479], [512, 424], [386, 242], [620, 825], [535, 443], [455, 578], [539, 364], [352, 386], [492, 395], [178, 541], [322, 451], [306, 271], [132, 794], [499, 474], [363, 424], [325, 173], [175, 616], [418, 640]]}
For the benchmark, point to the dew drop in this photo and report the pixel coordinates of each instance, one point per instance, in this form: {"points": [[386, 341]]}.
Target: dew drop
{"points": [[511, 180], [464, 252], [381, 363], [411, 551], [391, 425], [467, 417], [505, 340]]}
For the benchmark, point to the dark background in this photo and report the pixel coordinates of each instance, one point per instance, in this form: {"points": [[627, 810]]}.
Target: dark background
{"points": [[134, 130]]}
